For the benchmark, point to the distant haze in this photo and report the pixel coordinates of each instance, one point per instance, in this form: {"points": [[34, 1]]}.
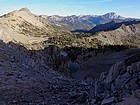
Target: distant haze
{"points": [[126, 8]]}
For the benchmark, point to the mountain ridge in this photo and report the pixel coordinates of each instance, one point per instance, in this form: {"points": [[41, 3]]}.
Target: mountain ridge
{"points": [[24, 27], [112, 26], [84, 22]]}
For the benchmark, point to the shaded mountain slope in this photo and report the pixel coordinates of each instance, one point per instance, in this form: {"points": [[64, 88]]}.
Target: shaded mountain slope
{"points": [[128, 35], [102, 62], [124, 35], [111, 26], [26, 79]]}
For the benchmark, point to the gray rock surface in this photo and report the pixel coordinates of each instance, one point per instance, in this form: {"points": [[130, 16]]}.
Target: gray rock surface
{"points": [[25, 78]]}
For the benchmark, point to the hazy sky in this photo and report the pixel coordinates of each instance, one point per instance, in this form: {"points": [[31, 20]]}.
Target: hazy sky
{"points": [[127, 8]]}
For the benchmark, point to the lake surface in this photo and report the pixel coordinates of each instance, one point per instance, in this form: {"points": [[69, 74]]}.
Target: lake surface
{"points": [[73, 67]]}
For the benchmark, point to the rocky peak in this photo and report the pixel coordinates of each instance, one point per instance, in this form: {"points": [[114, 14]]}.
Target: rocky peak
{"points": [[112, 15], [25, 10], [109, 15], [17, 12]]}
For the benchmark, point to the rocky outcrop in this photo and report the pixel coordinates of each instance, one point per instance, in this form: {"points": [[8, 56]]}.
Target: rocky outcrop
{"points": [[121, 83], [133, 99], [56, 60]]}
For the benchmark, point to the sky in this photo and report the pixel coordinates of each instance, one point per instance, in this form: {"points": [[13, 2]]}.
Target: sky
{"points": [[126, 8]]}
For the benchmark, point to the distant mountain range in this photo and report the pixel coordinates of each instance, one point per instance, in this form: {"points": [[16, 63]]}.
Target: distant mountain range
{"points": [[84, 22], [22, 26]]}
